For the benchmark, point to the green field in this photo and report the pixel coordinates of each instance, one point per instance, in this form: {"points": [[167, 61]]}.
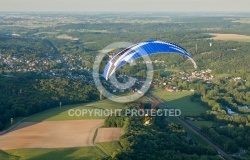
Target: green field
{"points": [[6, 156], [49, 33], [109, 147], [55, 114], [202, 123], [83, 153], [181, 100]]}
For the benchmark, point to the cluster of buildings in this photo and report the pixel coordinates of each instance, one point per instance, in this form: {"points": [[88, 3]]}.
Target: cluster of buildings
{"points": [[43, 66], [25, 63], [204, 75], [235, 79]]}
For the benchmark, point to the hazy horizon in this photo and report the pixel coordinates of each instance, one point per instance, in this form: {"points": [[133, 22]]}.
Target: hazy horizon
{"points": [[124, 6]]}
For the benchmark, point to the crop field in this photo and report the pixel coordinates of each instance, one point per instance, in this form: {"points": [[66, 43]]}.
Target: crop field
{"points": [[55, 114], [231, 37], [242, 20], [65, 36], [181, 100], [51, 134], [108, 134]]}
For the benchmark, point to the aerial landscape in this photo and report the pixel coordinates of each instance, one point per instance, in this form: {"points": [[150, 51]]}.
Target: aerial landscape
{"points": [[124, 85]]}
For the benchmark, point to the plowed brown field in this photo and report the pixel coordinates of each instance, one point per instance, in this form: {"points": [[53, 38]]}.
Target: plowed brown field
{"points": [[108, 134], [51, 134]]}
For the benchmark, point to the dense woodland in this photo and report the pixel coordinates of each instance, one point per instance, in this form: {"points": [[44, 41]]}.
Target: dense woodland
{"points": [[160, 140], [231, 132], [27, 94]]}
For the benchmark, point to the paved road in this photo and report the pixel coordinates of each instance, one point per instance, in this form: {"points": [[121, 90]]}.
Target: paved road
{"points": [[221, 152]]}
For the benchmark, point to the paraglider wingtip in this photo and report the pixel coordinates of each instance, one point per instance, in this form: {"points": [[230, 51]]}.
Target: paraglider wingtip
{"points": [[106, 78]]}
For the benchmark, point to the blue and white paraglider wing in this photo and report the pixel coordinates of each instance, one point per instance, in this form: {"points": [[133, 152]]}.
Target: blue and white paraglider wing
{"points": [[139, 50]]}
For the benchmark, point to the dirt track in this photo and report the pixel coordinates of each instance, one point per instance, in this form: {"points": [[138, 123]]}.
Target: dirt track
{"points": [[108, 134], [51, 134]]}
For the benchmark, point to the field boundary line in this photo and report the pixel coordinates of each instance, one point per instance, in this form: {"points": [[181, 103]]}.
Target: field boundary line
{"points": [[12, 127], [102, 151], [95, 135]]}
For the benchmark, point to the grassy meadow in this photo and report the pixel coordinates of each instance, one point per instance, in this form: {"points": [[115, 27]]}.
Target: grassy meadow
{"points": [[83, 153], [55, 114], [181, 100], [109, 147]]}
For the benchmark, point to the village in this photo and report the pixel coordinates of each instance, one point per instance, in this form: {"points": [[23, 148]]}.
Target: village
{"points": [[73, 68]]}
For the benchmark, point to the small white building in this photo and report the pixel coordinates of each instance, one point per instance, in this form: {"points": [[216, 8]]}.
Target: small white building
{"points": [[230, 112]]}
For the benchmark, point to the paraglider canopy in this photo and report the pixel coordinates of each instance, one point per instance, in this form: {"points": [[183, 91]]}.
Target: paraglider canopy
{"points": [[142, 49]]}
